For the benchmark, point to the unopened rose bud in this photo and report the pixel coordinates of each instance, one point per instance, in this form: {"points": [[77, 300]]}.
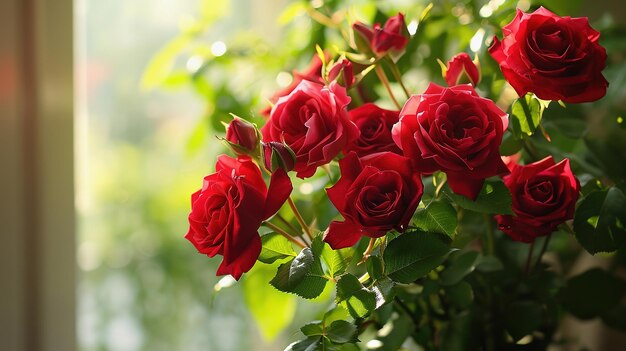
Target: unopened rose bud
{"points": [[392, 37], [278, 156], [363, 36], [242, 136], [461, 70], [342, 72]]}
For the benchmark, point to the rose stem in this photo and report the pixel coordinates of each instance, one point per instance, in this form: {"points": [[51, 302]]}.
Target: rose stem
{"points": [[286, 222], [396, 73], [303, 224], [529, 258], [528, 145], [368, 251], [489, 242], [543, 250], [284, 233], [383, 78]]}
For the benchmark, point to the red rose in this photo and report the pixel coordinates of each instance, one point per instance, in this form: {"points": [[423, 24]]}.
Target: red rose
{"points": [[313, 122], [544, 196], [392, 36], [227, 212], [461, 69], [312, 73], [456, 131], [375, 125], [557, 58], [375, 194], [343, 73]]}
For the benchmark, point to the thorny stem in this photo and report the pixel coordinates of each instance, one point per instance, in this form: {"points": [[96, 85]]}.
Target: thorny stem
{"points": [[383, 78], [303, 224], [280, 231]]}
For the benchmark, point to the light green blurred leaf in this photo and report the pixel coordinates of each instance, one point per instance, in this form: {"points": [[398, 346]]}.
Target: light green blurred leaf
{"points": [[272, 310]]}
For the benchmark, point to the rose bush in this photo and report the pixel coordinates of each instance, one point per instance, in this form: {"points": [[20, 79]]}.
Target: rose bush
{"points": [[227, 211], [313, 121], [557, 58], [456, 131], [544, 196]]}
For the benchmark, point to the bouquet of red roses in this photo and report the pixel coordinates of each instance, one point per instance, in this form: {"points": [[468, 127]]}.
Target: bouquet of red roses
{"points": [[433, 200]]}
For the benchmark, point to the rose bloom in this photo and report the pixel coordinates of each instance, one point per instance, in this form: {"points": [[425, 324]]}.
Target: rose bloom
{"points": [[544, 195], [456, 131], [229, 209], [313, 121], [375, 194], [557, 58], [461, 69], [375, 125], [393, 36]]}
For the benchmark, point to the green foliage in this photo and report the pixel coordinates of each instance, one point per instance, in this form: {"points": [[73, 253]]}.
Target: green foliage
{"points": [[413, 254], [438, 217], [493, 198], [460, 265], [302, 275], [272, 310], [522, 318], [599, 221], [592, 294], [275, 247], [354, 297], [526, 113]]}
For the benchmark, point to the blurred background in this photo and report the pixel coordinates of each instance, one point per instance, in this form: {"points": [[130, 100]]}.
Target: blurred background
{"points": [[113, 107]]}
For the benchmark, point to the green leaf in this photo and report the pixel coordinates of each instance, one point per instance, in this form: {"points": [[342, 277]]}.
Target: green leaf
{"points": [[493, 198], [489, 264], [522, 318], [461, 294], [337, 260], [312, 343], [374, 267], [509, 145], [438, 217], [353, 296], [383, 288], [616, 317], [592, 293], [312, 329], [413, 254], [335, 314], [272, 310], [461, 265], [393, 334], [341, 332], [599, 221], [302, 276], [526, 113], [275, 247]]}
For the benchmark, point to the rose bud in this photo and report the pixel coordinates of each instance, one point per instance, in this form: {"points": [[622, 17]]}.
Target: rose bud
{"points": [[242, 136], [363, 36], [544, 195], [556, 58], [456, 131], [228, 210], [278, 156], [343, 73], [461, 70], [393, 36]]}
